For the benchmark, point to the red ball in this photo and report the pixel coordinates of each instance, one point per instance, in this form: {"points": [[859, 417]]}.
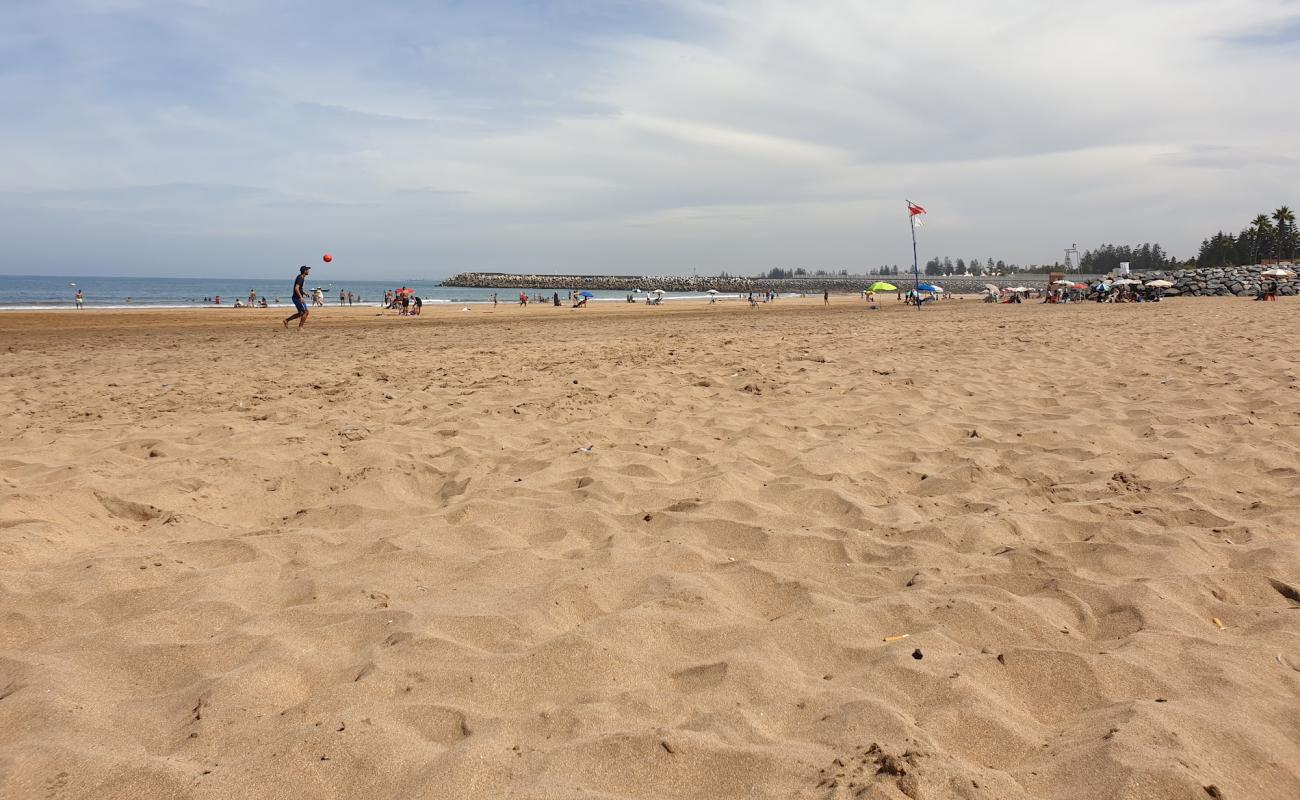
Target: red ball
{"points": [[327, 258]]}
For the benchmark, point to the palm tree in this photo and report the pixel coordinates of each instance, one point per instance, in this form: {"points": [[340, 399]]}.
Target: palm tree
{"points": [[1263, 229], [1285, 219]]}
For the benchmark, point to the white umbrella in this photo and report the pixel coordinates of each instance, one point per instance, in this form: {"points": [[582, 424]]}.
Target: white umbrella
{"points": [[1062, 283], [1126, 282], [1277, 273], [712, 291], [1160, 284], [656, 291], [992, 288]]}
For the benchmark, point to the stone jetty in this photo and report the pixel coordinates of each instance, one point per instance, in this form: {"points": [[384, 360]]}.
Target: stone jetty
{"points": [[1243, 281], [838, 284]]}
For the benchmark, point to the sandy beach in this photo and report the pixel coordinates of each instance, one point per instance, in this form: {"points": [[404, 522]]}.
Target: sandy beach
{"points": [[694, 552]]}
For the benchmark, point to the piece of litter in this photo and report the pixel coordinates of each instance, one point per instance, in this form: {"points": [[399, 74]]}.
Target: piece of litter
{"points": [[586, 449], [897, 638], [1217, 621]]}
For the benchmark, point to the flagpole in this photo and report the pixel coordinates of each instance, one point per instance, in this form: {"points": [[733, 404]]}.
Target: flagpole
{"points": [[916, 264]]}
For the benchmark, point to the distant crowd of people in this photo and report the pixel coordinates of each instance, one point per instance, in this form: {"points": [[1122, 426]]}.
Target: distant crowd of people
{"points": [[404, 300]]}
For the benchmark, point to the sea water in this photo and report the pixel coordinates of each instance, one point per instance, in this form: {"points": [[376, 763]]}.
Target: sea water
{"points": [[37, 292]]}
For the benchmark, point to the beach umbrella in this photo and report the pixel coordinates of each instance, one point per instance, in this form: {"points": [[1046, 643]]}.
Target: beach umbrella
{"points": [[657, 291], [1277, 273], [1062, 283], [712, 291], [928, 287], [1127, 282], [585, 294], [1079, 286], [1160, 284], [992, 288], [881, 286]]}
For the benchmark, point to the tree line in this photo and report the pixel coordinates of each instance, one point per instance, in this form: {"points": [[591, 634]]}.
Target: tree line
{"points": [[1268, 236], [1146, 257]]}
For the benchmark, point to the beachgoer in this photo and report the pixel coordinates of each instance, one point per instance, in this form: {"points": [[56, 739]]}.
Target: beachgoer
{"points": [[494, 299], [252, 298], [523, 298], [826, 297], [418, 305], [299, 298], [216, 301], [555, 298], [340, 297], [349, 298], [318, 297], [79, 299]]}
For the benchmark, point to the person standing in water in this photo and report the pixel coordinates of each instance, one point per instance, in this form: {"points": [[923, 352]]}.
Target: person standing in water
{"points": [[299, 298], [80, 299]]}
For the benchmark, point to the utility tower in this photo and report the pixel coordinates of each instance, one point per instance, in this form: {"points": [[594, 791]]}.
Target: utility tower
{"points": [[1072, 258]]}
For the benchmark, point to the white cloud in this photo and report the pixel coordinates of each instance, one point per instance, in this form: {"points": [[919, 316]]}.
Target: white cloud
{"points": [[743, 134]]}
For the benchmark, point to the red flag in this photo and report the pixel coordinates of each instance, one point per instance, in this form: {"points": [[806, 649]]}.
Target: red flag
{"points": [[913, 209]]}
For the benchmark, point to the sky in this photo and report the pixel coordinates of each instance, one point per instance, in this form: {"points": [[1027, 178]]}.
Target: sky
{"points": [[426, 137]]}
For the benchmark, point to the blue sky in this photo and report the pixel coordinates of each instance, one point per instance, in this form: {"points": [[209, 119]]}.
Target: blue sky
{"points": [[423, 138]]}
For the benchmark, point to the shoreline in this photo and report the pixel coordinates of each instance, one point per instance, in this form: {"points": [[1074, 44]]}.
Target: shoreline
{"points": [[436, 302]]}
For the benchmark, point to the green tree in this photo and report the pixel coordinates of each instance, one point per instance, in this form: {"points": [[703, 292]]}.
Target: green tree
{"points": [[1262, 231], [1284, 219]]}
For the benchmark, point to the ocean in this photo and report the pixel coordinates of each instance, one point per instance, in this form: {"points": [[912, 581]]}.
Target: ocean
{"points": [[38, 292]]}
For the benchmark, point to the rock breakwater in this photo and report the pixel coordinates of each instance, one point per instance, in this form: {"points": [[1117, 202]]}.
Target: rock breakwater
{"points": [[1243, 281], [965, 284]]}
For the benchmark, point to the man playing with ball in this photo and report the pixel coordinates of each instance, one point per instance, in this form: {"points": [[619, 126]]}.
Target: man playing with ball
{"points": [[299, 298]]}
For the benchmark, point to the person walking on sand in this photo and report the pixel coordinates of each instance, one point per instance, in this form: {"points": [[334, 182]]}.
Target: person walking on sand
{"points": [[299, 298], [826, 297], [494, 301]]}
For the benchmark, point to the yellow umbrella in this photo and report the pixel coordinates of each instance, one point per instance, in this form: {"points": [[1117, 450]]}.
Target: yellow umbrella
{"points": [[881, 286]]}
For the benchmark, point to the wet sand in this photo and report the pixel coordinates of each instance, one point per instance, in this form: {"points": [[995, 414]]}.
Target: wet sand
{"points": [[689, 551]]}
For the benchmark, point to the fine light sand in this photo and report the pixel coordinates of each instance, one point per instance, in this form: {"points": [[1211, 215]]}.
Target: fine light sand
{"points": [[627, 552]]}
